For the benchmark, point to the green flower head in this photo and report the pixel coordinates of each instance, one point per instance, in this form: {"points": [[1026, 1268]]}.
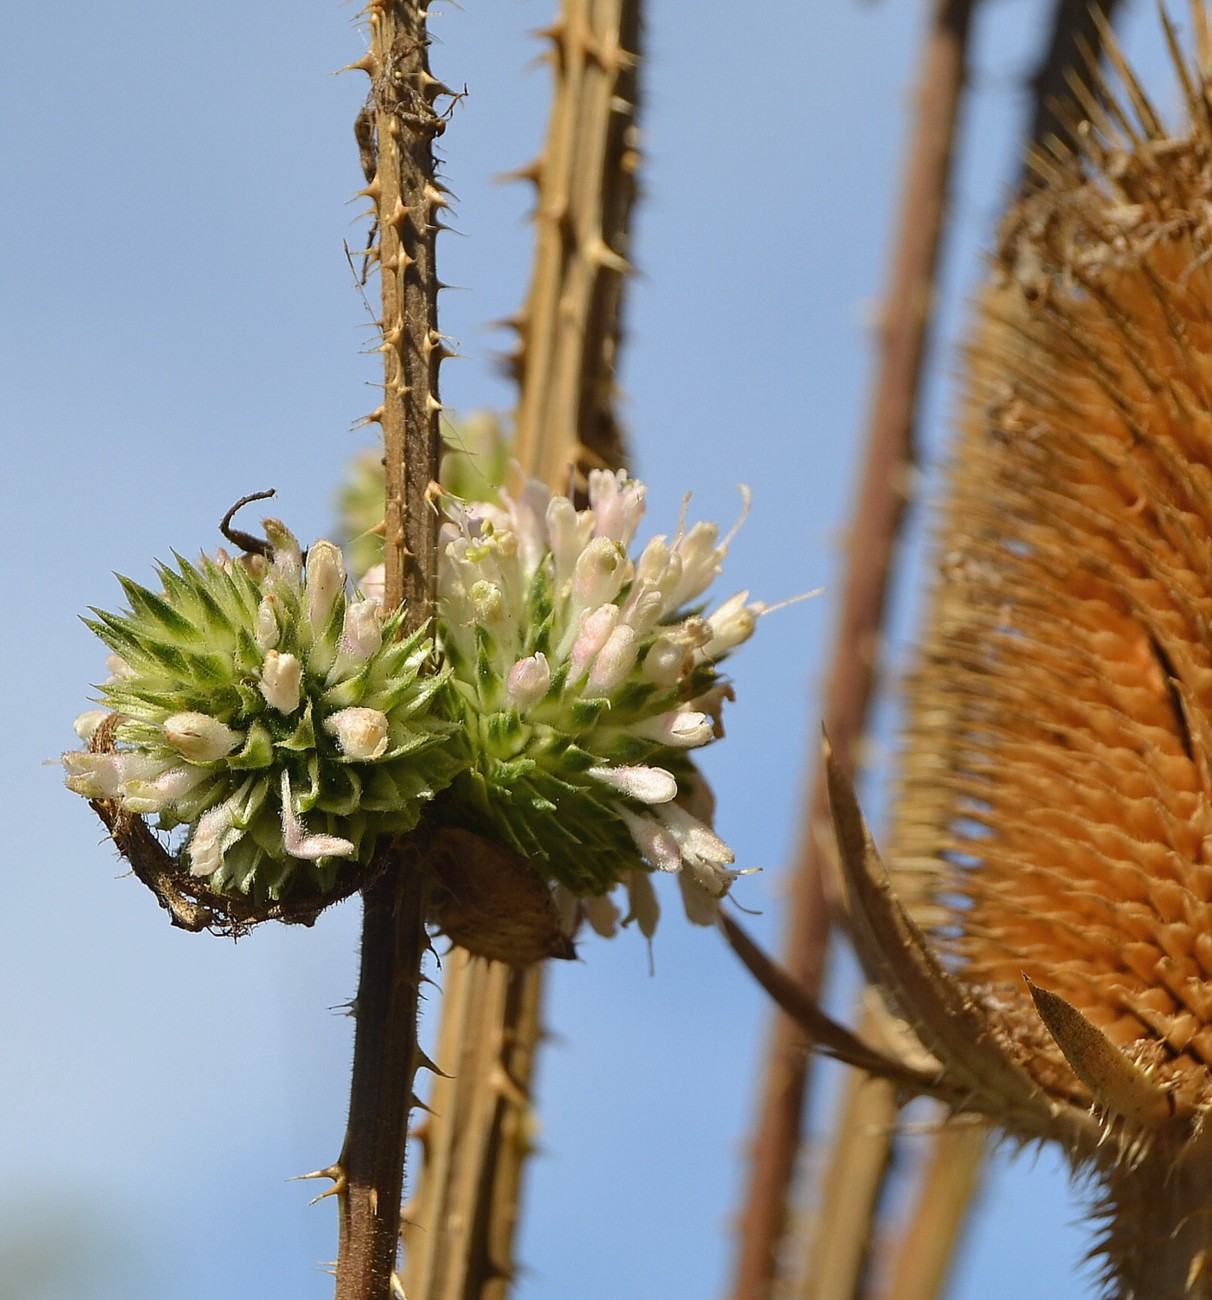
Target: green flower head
{"points": [[286, 725], [582, 680]]}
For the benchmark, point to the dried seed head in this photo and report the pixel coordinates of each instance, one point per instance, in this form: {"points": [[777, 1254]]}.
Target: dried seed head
{"points": [[1054, 816]]}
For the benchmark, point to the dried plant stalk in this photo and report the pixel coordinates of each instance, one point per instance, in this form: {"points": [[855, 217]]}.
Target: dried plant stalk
{"points": [[570, 327], [921, 1257], [460, 1225], [1055, 807], [400, 127], [938, 1215], [876, 522]]}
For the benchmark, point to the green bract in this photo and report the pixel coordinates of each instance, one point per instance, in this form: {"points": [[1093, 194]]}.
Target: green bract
{"points": [[283, 723]]}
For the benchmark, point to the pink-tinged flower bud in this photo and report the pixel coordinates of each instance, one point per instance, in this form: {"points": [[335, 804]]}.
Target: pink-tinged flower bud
{"points": [[282, 682], [361, 733], [684, 729], [644, 607], [528, 682], [700, 558], [374, 584], [362, 637], [568, 532], [647, 784], [601, 914], [601, 569], [617, 503], [85, 726], [595, 628], [325, 583], [615, 661], [730, 625], [201, 738], [657, 844], [306, 847], [668, 658], [643, 907], [206, 844], [164, 791], [654, 561], [268, 632]]}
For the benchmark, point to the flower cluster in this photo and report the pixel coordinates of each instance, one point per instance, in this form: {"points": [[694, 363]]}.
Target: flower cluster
{"points": [[286, 725], [582, 679]]}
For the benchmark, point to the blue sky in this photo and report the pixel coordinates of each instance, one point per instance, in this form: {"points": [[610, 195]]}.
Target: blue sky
{"points": [[180, 328]]}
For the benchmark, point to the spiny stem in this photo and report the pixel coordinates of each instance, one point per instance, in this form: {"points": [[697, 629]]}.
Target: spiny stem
{"points": [[395, 135], [370, 1185], [586, 185], [876, 523], [407, 197]]}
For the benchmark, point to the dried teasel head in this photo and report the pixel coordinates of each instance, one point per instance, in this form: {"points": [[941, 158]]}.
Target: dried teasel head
{"points": [[1045, 920]]}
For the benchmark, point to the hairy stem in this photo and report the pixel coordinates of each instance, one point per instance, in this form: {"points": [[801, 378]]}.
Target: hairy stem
{"points": [[874, 530], [396, 133]]}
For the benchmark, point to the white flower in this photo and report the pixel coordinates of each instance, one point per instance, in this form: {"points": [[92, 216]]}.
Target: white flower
{"points": [[296, 839], [685, 728]]}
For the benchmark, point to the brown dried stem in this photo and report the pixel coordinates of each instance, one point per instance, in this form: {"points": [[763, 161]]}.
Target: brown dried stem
{"points": [[876, 523], [399, 125], [586, 186], [461, 1223]]}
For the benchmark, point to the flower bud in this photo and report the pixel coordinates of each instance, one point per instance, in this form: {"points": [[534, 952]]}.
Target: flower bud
{"points": [[647, 784], [614, 662], [601, 569], [528, 682], [201, 738], [325, 582], [361, 733], [282, 682], [684, 729]]}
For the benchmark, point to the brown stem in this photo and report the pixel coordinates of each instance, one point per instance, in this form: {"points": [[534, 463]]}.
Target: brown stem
{"points": [[396, 136], [876, 522], [407, 199], [371, 1172]]}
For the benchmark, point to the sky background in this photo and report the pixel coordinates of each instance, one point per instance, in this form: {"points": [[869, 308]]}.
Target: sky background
{"points": [[179, 328]]}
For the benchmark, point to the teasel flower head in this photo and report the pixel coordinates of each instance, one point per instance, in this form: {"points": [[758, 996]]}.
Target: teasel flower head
{"points": [[283, 723], [1044, 920], [583, 680]]}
